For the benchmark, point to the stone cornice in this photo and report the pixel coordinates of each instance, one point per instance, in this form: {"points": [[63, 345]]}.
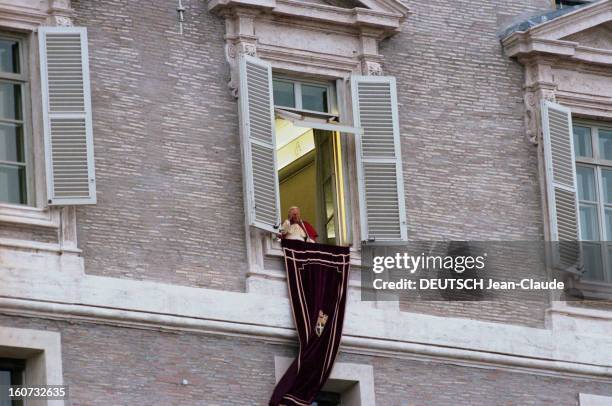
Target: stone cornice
{"points": [[21, 17], [140, 304], [576, 21], [382, 18], [522, 44], [587, 105], [547, 38]]}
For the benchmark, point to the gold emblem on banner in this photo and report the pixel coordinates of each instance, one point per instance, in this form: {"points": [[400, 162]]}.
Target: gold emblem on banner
{"points": [[321, 323]]}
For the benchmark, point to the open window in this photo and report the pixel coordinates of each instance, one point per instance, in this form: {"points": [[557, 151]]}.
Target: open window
{"points": [[310, 162], [294, 143]]}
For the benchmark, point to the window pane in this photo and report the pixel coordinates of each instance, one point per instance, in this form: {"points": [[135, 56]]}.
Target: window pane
{"points": [[593, 267], [12, 184], [5, 377], [589, 230], [605, 144], [10, 101], [11, 142], [609, 253], [284, 93], [608, 224], [606, 180], [314, 98], [585, 177], [583, 145], [9, 56], [329, 199]]}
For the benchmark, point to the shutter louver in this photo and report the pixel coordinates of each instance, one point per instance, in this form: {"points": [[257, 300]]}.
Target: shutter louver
{"points": [[561, 184], [259, 144], [383, 213], [67, 116]]}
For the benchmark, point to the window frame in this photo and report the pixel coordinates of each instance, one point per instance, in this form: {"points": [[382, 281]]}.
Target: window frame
{"points": [[325, 121], [23, 78], [332, 105], [354, 382], [41, 351], [597, 164]]}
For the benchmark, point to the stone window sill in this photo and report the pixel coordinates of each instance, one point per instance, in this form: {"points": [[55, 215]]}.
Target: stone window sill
{"points": [[27, 215], [593, 289]]}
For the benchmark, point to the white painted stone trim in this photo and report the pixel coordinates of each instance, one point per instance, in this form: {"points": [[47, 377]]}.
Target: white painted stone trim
{"points": [[21, 14], [355, 382], [585, 399], [557, 350], [43, 353], [34, 216]]}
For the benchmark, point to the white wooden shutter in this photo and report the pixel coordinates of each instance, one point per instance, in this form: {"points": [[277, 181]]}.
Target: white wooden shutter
{"points": [[561, 184], [259, 144], [64, 68], [379, 160]]}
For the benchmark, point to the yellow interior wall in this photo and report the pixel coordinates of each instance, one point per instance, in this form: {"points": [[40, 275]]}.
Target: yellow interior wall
{"points": [[300, 190]]}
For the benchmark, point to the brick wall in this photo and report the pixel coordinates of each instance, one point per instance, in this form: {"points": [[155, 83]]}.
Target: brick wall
{"points": [[106, 365], [167, 149], [469, 173], [166, 146]]}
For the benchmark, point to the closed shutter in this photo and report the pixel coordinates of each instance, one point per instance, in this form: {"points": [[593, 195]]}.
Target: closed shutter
{"points": [[259, 144], [561, 184], [381, 186], [64, 68]]}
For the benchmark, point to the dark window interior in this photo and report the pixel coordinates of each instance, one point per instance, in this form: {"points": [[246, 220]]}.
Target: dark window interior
{"points": [[569, 3], [11, 373], [327, 399]]}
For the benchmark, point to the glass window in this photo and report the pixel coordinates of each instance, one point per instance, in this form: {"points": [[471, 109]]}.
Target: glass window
{"points": [[300, 95], [592, 260], [13, 186], [9, 56], [586, 183], [594, 183], [314, 98], [284, 93], [605, 144], [10, 101], [583, 145], [589, 229], [606, 175], [11, 142]]}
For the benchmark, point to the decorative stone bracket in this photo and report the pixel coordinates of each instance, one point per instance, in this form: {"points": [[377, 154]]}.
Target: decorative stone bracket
{"points": [[233, 50], [538, 86]]}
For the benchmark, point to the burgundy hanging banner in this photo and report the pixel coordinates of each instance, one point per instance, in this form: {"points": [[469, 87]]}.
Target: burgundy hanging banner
{"points": [[317, 276]]}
